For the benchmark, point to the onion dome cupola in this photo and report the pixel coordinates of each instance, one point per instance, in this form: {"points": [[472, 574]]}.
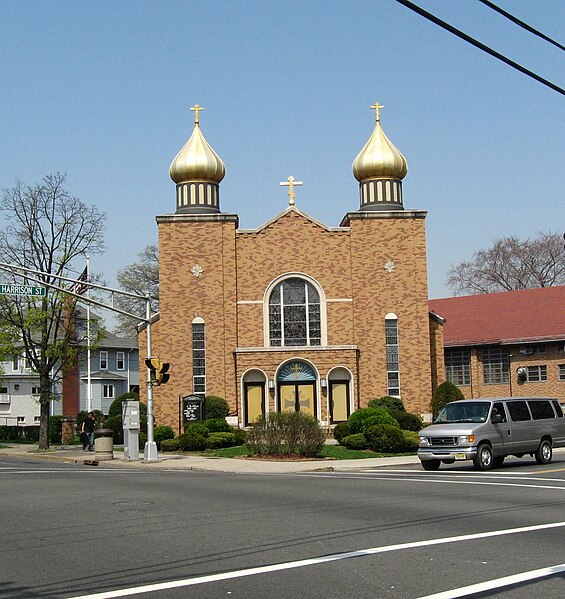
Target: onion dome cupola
{"points": [[197, 170], [380, 168]]}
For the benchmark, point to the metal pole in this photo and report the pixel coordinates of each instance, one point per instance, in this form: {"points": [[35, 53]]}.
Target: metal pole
{"points": [[88, 342], [150, 453]]}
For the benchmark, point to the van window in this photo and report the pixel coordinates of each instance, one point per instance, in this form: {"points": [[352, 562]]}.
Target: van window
{"points": [[558, 408], [498, 408], [518, 411], [464, 411], [541, 410]]}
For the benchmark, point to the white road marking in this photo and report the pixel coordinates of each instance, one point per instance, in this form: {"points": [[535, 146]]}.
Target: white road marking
{"points": [[497, 583], [150, 588]]}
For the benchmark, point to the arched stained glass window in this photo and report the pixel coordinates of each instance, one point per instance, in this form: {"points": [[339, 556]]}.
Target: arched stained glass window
{"points": [[294, 314]]}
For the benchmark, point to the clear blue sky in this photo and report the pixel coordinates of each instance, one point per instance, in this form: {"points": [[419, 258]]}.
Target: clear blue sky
{"points": [[101, 91]]}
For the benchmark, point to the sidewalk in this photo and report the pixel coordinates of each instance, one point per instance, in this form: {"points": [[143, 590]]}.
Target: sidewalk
{"points": [[73, 454]]}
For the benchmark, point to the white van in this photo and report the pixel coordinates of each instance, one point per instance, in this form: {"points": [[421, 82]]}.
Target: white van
{"points": [[488, 430]]}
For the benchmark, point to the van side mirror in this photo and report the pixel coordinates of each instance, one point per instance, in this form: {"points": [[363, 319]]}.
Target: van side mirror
{"points": [[496, 418]]}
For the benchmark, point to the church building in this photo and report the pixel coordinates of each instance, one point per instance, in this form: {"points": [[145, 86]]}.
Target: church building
{"points": [[296, 314]]}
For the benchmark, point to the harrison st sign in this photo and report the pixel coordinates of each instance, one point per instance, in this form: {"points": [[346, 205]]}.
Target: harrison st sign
{"points": [[22, 290]]}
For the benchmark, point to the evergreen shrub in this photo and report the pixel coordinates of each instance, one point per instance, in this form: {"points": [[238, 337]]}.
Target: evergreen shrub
{"points": [[410, 441], [197, 428], [388, 403], [215, 407], [360, 420], [115, 425], [115, 408], [217, 425], [192, 441], [142, 441], [55, 428], [356, 441], [220, 439], [444, 394], [385, 438], [406, 420], [162, 433], [170, 445], [340, 431], [240, 435]]}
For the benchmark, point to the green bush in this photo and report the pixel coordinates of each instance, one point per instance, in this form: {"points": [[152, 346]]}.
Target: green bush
{"points": [[340, 431], [162, 433], [217, 425], [170, 445], [240, 435], [221, 439], [55, 428], [356, 441], [115, 408], [197, 428], [285, 433], [444, 394], [115, 425], [406, 420], [410, 441], [359, 421], [215, 407], [388, 403], [385, 438], [142, 441], [192, 441]]}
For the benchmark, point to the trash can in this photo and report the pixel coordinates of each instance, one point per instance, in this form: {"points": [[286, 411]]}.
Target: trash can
{"points": [[103, 444]]}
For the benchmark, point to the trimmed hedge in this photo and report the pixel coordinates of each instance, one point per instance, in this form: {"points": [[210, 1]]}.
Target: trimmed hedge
{"points": [[221, 439], [197, 428], [407, 421], [192, 441], [215, 407], [217, 425], [388, 403], [385, 438], [162, 433], [360, 420], [340, 431], [356, 441], [170, 445]]}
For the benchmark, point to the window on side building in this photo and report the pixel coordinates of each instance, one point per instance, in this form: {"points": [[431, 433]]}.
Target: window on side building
{"points": [[495, 365], [108, 391], [561, 372], [392, 358], [198, 357], [120, 360], [103, 360], [458, 366], [536, 374]]}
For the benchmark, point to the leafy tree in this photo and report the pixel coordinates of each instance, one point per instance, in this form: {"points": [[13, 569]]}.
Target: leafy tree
{"points": [[142, 278], [48, 230], [511, 264], [445, 393]]}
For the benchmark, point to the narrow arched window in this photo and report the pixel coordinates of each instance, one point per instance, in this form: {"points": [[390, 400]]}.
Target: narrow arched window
{"points": [[198, 357], [294, 314], [392, 361]]}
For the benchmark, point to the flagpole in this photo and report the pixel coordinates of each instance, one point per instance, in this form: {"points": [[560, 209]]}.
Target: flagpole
{"points": [[88, 356]]}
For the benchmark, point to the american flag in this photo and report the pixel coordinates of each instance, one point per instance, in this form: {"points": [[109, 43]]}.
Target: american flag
{"points": [[78, 286]]}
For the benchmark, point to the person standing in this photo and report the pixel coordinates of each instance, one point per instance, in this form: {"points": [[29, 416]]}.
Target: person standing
{"points": [[88, 429]]}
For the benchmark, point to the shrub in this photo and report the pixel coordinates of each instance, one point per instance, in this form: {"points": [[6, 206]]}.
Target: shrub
{"points": [[55, 428], [222, 439], [217, 425], [162, 433], [192, 441], [407, 421], [385, 438], [142, 441], [388, 403], [444, 394], [240, 435], [356, 441], [215, 407], [410, 441], [115, 425], [285, 433], [170, 445], [197, 428], [341, 430], [31, 433], [359, 421]]}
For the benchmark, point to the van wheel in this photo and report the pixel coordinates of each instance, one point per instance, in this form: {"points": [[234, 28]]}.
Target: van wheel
{"points": [[544, 454], [497, 462], [484, 459], [430, 465]]}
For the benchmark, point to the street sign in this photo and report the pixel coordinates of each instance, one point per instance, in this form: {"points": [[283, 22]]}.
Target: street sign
{"points": [[22, 290]]}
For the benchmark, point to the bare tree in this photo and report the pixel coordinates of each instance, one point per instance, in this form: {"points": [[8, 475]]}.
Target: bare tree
{"points": [[46, 229], [511, 264], [142, 278]]}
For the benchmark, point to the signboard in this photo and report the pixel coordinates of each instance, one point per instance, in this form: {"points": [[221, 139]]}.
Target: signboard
{"points": [[22, 290], [192, 409]]}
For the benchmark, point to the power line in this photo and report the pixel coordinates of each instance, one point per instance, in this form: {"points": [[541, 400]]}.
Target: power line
{"points": [[480, 45], [521, 23]]}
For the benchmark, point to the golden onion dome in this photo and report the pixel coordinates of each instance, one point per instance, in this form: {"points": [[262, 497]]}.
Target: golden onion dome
{"points": [[379, 158], [197, 161]]}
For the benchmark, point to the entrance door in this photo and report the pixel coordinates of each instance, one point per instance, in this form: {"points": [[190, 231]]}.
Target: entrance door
{"points": [[298, 397], [339, 401], [254, 402]]}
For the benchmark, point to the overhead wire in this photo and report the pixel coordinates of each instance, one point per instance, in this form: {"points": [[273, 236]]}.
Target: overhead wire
{"points": [[516, 20], [480, 45]]}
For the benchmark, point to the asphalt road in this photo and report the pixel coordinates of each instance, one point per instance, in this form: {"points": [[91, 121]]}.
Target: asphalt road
{"points": [[81, 531]]}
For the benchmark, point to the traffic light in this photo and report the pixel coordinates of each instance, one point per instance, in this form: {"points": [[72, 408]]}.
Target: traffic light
{"points": [[158, 371]]}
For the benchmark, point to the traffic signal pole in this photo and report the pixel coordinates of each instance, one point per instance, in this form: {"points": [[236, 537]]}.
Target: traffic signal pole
{"points": [[150, 453]]}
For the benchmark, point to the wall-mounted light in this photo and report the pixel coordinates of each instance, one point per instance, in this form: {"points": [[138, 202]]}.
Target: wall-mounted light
{"points": [[271, 384], [323, 383], [16, 387], [522, 373]]}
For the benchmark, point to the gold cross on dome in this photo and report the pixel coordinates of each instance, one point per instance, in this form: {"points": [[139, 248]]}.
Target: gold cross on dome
{"points": [[196, 108], [290, 184], [377, 108]]}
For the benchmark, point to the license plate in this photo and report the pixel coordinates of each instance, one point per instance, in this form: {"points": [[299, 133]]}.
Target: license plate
{"points": [[460, 456]]}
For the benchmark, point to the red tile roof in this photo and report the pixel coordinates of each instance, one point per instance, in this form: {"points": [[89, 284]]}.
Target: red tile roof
{"points": [[523, 316]]}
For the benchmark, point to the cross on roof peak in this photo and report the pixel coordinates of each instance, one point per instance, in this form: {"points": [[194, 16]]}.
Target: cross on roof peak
{"points": [[290, 183]]}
